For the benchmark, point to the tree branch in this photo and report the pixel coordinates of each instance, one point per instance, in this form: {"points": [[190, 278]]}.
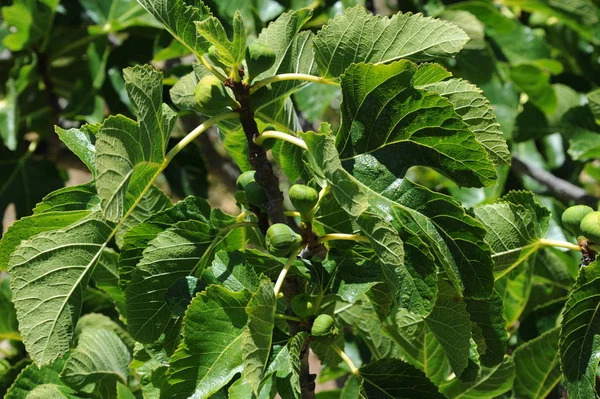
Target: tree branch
{"points": [[258, 157], [563, 189]]}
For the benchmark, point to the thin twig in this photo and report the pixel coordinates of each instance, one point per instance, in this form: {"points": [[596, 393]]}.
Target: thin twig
{"points": [[563, 189]]}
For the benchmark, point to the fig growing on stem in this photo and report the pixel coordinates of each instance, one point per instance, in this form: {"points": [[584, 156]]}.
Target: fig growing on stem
{"points": [[324, 326], [254, 193], [281, 240], [259, 58], [572, 217], [211, 96], [590, 227], [303, 198], [302, 305]]}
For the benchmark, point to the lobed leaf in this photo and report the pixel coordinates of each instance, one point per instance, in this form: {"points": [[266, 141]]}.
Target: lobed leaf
{"points": [[48, 291], [211, 353], [515, 225], [178, 18], [357, 36], [393, 378], [99, 354], [579, 342], [259, 338], [537, 366]]}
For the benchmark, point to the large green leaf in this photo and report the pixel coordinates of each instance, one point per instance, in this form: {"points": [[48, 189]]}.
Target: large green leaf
{"points": [[489, 328], [137, 238], [259, 339], [470, 103], [514, 288], [394, 379], [357, 36], [384, 115], [211, 353], [82, 142], [579, 344], [48, 292], [491, 383], [175, 253], [515, 224], [438, 344], [64, 259], [128, 153], [178, 17], [34, 376], [537, 367], [100, 354], [450, 239]]}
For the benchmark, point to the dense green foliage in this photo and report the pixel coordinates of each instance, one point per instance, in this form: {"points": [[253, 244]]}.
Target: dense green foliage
{"points": [[427, 156]]}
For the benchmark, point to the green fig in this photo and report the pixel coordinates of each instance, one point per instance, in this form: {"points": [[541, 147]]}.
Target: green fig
{"points": [[211, 96], [259, 58], [590, 227], [572, 217], [245, 178], [281, 240], [304, 199], [324, 327], [302, 305]]}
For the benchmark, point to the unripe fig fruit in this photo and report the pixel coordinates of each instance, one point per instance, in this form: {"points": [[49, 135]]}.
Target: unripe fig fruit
{"points": [[590, 227], [245, 178], [281, 240], [240, 197], [302, 305], [210, 95], [324, 326], [303, 198], [572, 217], [259, 58], [255, 194]]}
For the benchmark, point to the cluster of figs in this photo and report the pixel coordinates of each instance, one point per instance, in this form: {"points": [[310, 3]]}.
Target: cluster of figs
{"points": [[282, 241], [584, 223]]}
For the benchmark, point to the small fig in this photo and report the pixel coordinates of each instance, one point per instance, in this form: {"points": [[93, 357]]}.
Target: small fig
{"points": [[259, 58], [255, 194], [281, 240], [324, 326], [303, 198], [302, 305], [240, 197], [590, 227], [211, 96], [572, 217], [245, 178]]}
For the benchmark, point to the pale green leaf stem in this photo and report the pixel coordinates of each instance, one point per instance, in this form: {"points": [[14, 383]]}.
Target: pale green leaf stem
{"points": [[272, 134]]}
